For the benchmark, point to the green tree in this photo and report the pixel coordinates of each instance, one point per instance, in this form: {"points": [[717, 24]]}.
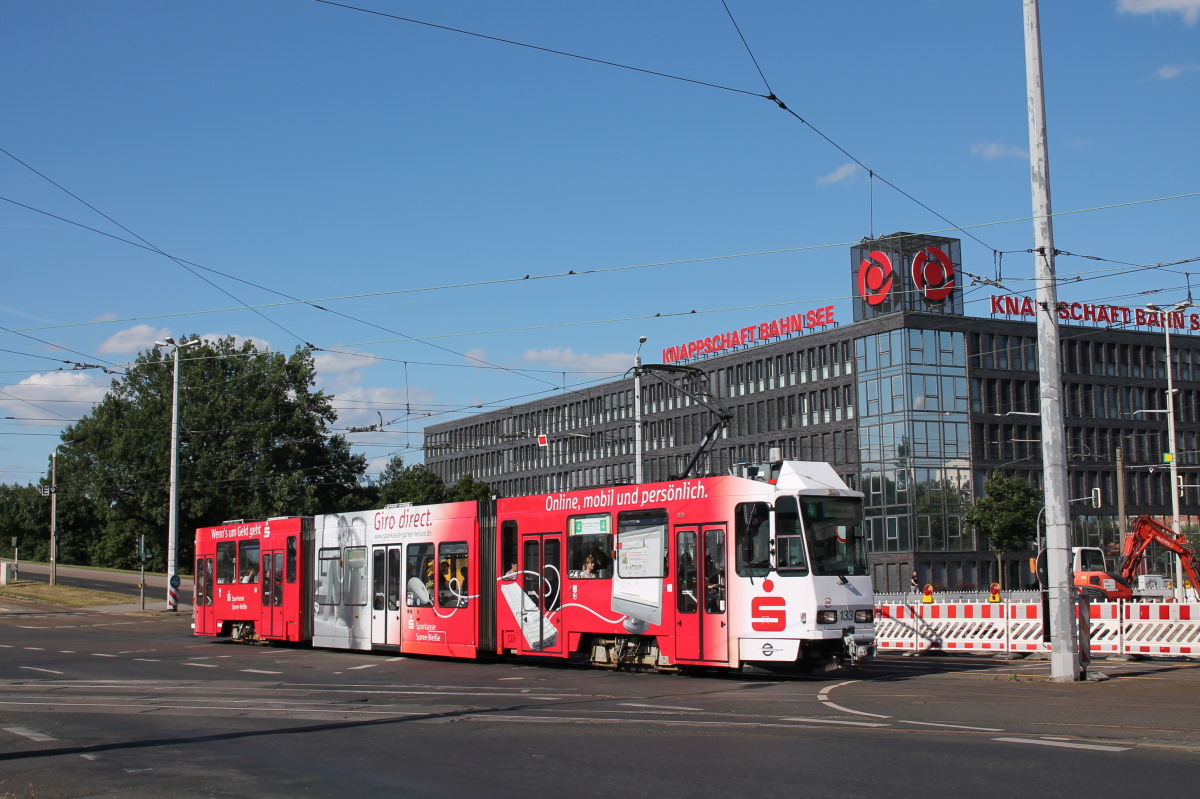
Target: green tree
{"points": [[24, 515], [468, 489], [254, 442], [415, 484], [1006, 515]]}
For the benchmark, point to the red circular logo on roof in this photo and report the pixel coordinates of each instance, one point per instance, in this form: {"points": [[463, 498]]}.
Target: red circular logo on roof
{"points": [[875, 278], [933, 274]]}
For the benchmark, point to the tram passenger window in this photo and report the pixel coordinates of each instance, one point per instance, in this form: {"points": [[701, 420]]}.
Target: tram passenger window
{"points": [[277, 583], [379, 577], [354, 576], [418, 587], [714, 571], [508, 550], [329, 577], [589, 546], [393, 578], [203, 582], [789, 541], [685, 563], [452, 575], [248, 562], [226, 562], [292, 556], [752, 538]]}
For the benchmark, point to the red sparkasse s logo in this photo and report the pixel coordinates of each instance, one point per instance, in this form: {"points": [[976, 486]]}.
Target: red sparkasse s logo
{"points": [[768, 614], [875, 278], [933, 274]]}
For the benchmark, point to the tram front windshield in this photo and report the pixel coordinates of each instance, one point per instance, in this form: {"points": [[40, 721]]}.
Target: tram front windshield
{"points": [[834, 528]]}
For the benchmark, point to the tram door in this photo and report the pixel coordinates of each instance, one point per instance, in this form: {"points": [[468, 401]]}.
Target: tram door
{"points": [[701, 613], [536, 598], [202, 603], [386, 579], [271, 623]]}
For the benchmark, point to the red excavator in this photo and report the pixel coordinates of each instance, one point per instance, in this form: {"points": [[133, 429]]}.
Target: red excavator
{"points": [[1099, 584]]}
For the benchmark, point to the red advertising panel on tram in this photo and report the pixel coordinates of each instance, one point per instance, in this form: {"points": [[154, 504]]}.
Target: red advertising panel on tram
{"points": [[250, 579]]}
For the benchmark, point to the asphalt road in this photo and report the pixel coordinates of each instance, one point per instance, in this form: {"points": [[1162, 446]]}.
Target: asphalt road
{"points": [[99, 703], [125, 583]]}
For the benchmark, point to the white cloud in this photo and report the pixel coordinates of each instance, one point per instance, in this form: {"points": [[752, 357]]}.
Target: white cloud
{"points": [[53, 398], [342, 361], [340, 371], [261, 344], [475, 356], [1188, 9], [570, 361], [991, 150], [1170, 71], [846, 173], [131, 340]]}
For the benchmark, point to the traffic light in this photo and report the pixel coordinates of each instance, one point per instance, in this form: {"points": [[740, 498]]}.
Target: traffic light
{"points": [[1095, 497]]}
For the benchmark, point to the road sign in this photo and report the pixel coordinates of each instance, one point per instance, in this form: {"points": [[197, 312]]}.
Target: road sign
{"points": [[174, 580]]}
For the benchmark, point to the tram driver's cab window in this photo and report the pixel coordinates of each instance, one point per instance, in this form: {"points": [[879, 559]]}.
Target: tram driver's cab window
{"points": [[589, 547], [790, 556], [752, 537]]}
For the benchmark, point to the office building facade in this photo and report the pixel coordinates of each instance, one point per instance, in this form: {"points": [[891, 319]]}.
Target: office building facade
{"points": [[913, 403]]}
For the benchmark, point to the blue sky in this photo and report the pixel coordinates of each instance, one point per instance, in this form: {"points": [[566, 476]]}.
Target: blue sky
{"points": [[404, 176]]}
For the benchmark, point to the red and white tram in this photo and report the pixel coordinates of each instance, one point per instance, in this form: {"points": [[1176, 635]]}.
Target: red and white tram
{"points": [[723, 572]]}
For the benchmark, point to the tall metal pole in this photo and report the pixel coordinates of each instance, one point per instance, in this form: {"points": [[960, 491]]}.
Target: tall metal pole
{"points": [[54, 517], [1120, 498], [637, 412], [1176, 527], [173, 518], [173, 501], [1064, 648]]}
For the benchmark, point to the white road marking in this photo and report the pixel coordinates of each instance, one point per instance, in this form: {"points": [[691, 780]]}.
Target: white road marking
{"points": [[835, 721], [66, 651], [202, 665], [1064, 744], [102, 655], [824, 697], [511, 678], [261, 671], [149, 660], [35, 649], [90, 757], [35, 668], [32, 735], [363, 666], [660, 707], [5, 646], [951, 726]]}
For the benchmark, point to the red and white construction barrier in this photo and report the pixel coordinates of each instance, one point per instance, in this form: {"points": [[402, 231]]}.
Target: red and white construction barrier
{"points": [[1117, 628]]}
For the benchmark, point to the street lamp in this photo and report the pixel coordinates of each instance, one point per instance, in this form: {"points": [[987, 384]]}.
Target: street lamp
{"points": [[54, 517], [173, 512], [1175, 525], [637, 412]]}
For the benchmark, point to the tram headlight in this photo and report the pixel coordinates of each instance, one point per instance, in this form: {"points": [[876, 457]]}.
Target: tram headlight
{"points": [[865, 616], [827, 617]]}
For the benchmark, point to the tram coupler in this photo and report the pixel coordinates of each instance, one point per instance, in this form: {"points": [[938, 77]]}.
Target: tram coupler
{"points": [[858, 646]]}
